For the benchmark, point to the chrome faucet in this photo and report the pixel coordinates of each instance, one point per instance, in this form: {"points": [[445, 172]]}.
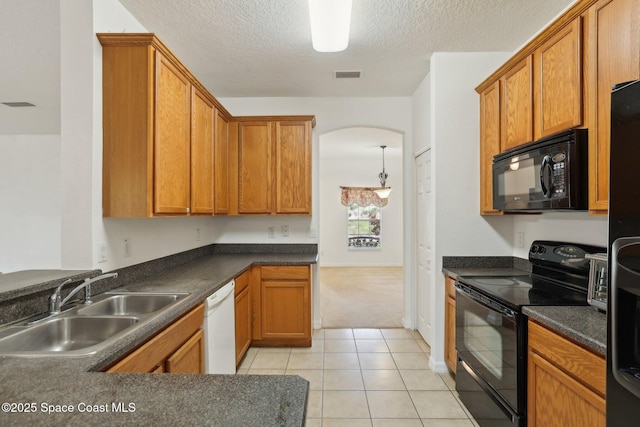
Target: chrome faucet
{"points": [[56, 302]]}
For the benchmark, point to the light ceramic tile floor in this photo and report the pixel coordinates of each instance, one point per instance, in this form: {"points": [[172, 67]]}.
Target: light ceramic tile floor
{"points": [[366, 378]]}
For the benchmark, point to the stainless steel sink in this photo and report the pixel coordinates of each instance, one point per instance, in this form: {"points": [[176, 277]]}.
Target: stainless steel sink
{"points": [[130, 304], [87, 328], [66, 334]]}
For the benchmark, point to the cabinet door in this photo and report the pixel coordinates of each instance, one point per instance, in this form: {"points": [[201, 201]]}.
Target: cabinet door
{"points": [[556, 399], [189, 358], [489, 144], [285, 309], [254, 167], [613, 51], [243, 322], [222, 161], [558, 81], [451, 355], [517, 106], [202, 133], [154, 352], [293, 168], [172, 139]]}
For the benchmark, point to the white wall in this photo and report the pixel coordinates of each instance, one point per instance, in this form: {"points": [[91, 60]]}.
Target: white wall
{"points": [[339, 166], [30, 195], [574, 227], [458, 229]]}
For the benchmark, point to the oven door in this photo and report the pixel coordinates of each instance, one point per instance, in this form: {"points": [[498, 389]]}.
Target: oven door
{"points": [[490, 340]]}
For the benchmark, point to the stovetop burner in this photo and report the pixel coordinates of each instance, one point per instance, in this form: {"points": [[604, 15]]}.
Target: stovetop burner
{"points": [[518, 291], [559, 277]]}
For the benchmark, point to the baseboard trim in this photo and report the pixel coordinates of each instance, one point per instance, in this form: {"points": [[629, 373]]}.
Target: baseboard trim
{"points": [[438, 367]]}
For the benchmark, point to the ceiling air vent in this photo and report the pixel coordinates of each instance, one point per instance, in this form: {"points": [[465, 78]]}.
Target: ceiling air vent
{"points": [[347, 74], [18, 104]]}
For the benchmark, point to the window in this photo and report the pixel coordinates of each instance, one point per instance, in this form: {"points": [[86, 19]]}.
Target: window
{"points": [[364, 226]]}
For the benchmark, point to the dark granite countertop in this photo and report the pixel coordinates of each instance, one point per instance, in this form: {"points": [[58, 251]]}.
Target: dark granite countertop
{"points": [[158, 399], [19, 283], [484, 266], [584, 325]]}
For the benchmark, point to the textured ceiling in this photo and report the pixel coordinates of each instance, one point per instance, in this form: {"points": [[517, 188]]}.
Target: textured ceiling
{"points": [[263, 47]]}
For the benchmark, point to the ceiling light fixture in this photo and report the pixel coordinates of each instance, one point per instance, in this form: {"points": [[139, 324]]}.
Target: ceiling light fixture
{"points": [[384, 191], [330, 22]]}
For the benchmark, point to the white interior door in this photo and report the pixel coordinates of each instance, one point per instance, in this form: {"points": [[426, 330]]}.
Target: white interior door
{"points": [[423, 242]]}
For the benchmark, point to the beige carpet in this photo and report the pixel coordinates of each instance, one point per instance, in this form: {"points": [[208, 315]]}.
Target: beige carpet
{"points": [[361, 297]]}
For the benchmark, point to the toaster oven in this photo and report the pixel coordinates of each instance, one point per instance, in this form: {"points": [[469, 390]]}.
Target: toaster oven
{"points": [[597, 293]]}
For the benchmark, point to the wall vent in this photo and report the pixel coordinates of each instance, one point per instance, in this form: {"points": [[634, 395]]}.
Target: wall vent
{"points": [[348, 74], [18, 104]]}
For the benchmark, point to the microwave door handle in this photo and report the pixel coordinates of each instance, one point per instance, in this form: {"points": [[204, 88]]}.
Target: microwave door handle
{"points": [[545, 176]]}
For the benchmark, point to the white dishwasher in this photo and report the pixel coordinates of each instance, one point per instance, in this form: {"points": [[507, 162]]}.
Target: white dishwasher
{"points": [[219, 331]]}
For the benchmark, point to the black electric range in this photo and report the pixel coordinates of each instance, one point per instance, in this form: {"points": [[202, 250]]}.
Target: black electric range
{"points": [[491, 331], [559, 276]]}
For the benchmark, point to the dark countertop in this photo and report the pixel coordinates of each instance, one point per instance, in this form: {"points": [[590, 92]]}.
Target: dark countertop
{"points": [[169, 399], [19, 283], [584, 325], [484, 266]]}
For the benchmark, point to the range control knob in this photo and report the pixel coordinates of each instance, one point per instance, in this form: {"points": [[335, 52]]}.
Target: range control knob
{"points": [[534, 249]]}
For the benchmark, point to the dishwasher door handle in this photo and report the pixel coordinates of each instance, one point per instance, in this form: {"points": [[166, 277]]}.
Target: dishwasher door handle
{"points": [[220, 295]]}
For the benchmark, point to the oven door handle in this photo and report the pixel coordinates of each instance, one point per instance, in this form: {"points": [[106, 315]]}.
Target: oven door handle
{"points": [[485, 302]]}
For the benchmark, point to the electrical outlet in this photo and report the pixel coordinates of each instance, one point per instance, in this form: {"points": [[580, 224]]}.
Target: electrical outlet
{"points": [[127, 248], [197, 234], [519, 239], [271, 232], [285, 231]]}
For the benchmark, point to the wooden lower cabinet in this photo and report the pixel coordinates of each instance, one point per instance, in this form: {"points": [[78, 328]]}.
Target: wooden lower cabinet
{"points": [[242, 315], [282, 306], [450, 353], [177, 349], [566, 382]]}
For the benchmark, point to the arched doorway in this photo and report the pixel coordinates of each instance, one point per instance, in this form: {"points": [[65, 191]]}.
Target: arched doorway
{"points": [[361, 285]]}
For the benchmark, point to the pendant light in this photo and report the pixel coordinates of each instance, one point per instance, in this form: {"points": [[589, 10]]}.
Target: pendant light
{"points": [[330, 22], [384, 191]]}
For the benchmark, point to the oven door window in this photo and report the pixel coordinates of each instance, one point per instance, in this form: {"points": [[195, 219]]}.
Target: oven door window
{"points": [[487, 341]]}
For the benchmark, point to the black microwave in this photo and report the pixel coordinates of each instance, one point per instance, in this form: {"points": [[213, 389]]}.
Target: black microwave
{"points": [[548, 174]]}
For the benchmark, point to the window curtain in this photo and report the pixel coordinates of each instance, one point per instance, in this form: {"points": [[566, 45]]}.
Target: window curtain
{"points": [[361, 196]]}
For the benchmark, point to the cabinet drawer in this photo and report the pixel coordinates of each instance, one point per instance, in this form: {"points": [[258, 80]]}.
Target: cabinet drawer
{"points": [[290, 272], [154, 352], [242, 281], [587, 367]]}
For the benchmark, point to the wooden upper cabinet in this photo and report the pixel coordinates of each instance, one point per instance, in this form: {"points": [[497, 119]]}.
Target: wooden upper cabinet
{"points": [[273, 166], [158, 131], [517, 105], [612, 45], [254, 167], [170, 148], [293, 167], [202, 145], [222, 159], [172, 139], [489, 144], [557, 81]]}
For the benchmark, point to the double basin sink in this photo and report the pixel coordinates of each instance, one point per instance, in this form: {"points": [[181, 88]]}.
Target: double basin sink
{"points": [[86, 328]]}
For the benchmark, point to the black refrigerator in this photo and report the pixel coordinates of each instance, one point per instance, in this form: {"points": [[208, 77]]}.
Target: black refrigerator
{"points": [[623, 311]]}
